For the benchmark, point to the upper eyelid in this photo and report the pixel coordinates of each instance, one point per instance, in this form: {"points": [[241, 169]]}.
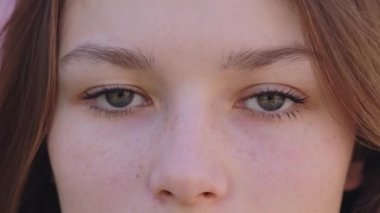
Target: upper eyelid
{"points": [[99, 90], [287, 94], [251, 91]]}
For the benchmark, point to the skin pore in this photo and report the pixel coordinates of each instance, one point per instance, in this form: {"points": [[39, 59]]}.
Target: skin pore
{"points": [[192, 106]]}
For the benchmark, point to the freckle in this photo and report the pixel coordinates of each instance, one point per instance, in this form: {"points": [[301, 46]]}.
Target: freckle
{"points": [[138, 175]]}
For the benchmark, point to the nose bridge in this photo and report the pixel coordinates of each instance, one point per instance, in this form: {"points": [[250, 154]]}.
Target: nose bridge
{"points": [[191, 136], [188, 168], [189, 143], [191, 127], [192, 117]]}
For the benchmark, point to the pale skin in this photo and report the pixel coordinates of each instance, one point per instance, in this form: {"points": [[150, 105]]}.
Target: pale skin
{"points": [[194, 136]]}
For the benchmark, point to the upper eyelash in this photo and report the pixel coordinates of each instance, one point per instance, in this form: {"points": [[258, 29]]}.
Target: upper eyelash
{"points": [[94, 93], [102, 90], [272, 116], [287, 93]]}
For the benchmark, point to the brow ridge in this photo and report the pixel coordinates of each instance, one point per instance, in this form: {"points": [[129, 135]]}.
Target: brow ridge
{"points": [[254, 59], [123, 57], [244, 59]]}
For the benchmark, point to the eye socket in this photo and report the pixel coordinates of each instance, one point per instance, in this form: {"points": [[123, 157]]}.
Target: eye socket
{"points": [[273, 101], [115, 99]]}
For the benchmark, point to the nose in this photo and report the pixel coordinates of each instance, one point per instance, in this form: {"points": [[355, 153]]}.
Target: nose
{"points": [[190, 169], [188, 189]]}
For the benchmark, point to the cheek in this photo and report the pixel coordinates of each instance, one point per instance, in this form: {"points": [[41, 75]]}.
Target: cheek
{"points": [[95, 160], [307, 158]]}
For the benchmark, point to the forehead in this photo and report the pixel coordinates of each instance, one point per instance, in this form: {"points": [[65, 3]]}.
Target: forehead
{"points": [[180, 26]]}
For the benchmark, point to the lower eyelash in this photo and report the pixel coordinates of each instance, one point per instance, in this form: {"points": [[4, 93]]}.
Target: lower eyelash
{"points": [[274, 116], [97, 111], [91, 95]]}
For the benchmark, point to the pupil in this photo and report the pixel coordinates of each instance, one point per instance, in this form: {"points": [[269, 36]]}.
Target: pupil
{"points": [[119, 99], [271, 102]]}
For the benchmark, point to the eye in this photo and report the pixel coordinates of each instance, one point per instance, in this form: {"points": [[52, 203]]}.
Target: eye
{"points": [[268, 102], [114, 100], [120, 98], [273, 101]]}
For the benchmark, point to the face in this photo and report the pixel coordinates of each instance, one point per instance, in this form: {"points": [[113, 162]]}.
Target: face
{"points": [[192, 106]]}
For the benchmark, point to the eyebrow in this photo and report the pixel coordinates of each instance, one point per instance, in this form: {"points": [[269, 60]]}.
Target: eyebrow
{"points": [[244, 59], [126, 58], [248, 59]]}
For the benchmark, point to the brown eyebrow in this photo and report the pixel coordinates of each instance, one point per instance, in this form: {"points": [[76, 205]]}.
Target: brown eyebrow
{"points": [[126, 58], [245, 59], [249, 59]]}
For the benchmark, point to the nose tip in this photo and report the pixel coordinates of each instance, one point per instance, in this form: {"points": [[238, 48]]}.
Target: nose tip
{"points": [[189, 189]]}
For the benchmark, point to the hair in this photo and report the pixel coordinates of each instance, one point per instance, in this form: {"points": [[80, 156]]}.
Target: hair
{"points": [[343, 34], [27, 93]]}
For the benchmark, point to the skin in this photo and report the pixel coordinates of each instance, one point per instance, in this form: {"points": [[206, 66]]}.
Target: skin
{"points": [[6, 7], [194, 141]]}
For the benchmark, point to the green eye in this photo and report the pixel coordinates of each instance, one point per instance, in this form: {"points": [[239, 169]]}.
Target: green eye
{"points": [[271, 102], [119, 98], [115, 98]]}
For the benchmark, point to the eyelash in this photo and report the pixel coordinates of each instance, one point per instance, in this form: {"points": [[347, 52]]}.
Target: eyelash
{"points": [[93, 94], [287, 93]]}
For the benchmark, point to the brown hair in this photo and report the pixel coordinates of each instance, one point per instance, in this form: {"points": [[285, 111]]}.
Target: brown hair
{"points": [[344, 34], [27, 92]]}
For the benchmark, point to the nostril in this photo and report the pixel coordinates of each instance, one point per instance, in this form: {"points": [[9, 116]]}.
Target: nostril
{"points": [[208, 194], [166, 193]]}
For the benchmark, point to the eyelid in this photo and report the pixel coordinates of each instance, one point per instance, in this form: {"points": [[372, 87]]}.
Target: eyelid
{"points": [[255, 90], [91, 96], [96, 91], [299, 99]]}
